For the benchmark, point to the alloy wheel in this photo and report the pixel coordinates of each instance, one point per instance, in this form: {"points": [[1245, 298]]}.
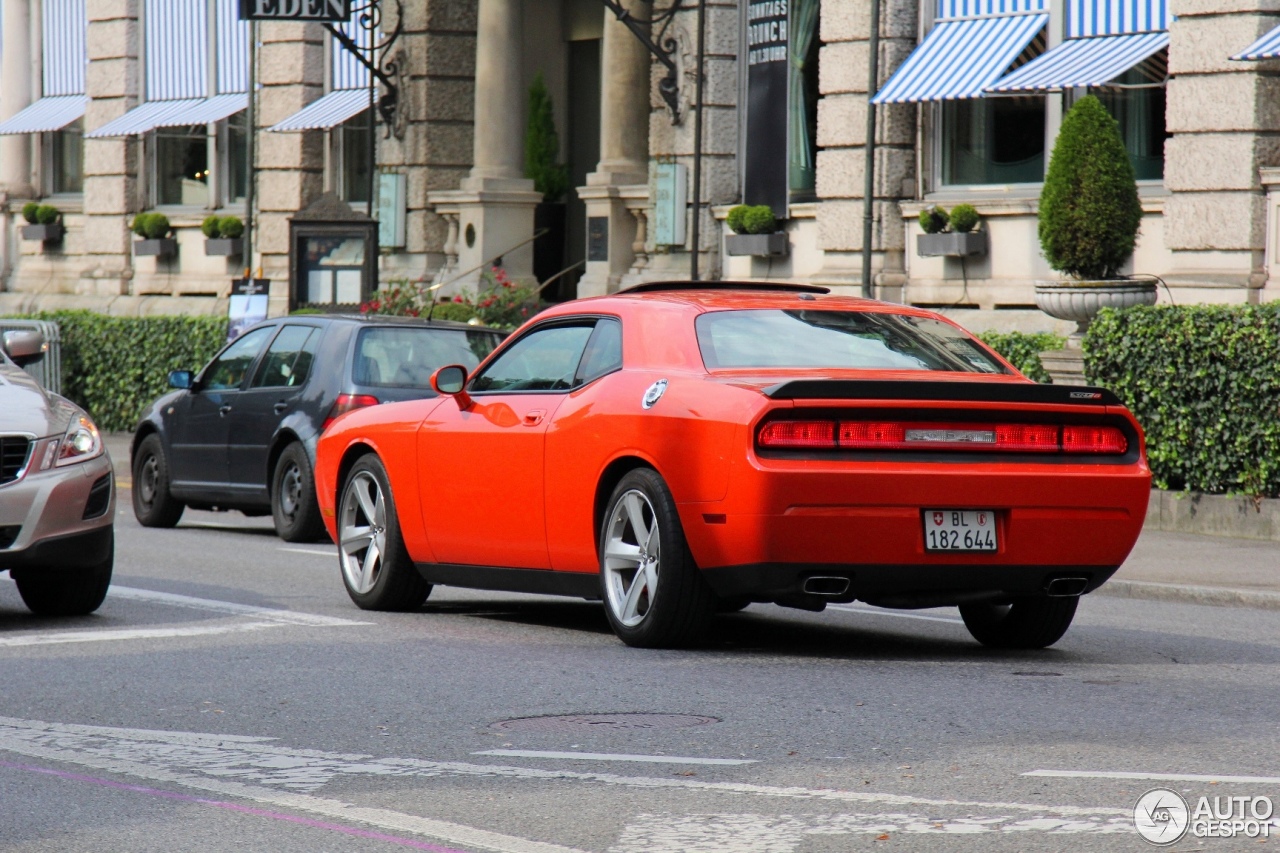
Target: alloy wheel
{"points": [[362, 532], [632, 556]]}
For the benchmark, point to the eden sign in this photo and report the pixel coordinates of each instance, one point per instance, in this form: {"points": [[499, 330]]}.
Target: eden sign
{"points": [[334, 11]]}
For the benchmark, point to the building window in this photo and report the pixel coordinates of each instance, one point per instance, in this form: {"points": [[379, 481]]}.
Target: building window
{"points": [[66, 159], [993, 140], [1138, 105], [803, 98], [353, 158], [182, 166]]}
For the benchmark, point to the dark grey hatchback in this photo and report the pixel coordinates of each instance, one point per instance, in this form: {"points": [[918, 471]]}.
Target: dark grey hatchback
{"points": [[241, 434]]}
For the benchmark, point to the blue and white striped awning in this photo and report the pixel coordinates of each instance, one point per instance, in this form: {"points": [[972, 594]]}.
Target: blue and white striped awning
{"points": [[330, 111], [1083, 62], [1267, 47], [1116, 17], [148, 117], [961, 58], [62, 74], [348, 81], [46, 115]]}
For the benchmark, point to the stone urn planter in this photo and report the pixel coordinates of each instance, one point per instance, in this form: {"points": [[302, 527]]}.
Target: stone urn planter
{"points": [[1082, 300]]}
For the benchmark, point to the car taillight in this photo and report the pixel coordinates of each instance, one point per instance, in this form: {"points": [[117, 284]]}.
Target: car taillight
{"points": [[1093, 439], [799, 434], [348, 403], [906, 435]]}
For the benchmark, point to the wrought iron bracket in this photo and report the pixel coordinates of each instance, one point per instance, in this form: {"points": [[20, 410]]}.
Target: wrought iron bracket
{"points": [[662, 47], [390, 72]]}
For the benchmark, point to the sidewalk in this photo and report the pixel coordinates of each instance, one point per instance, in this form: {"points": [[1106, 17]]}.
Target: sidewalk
{"points": [[1165, 566]]}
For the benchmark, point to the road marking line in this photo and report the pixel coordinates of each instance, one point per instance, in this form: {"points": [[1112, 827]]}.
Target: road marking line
{"points": [[612, 756], [453, 833], [46, 638], [310, 769], [315, 551], [1155, 777], [289, 617], [870, 612]]}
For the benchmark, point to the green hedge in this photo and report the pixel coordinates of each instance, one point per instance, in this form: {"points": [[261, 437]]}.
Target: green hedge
{"points": [[115, 366], [1022, 350], [1204, 382]]}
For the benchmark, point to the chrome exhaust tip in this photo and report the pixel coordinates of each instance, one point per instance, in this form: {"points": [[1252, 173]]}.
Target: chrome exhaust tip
{"points": [[1066, 587], [825, 585]]}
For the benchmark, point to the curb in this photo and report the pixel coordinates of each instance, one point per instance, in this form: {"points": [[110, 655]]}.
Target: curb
{"points": [[1213, 596]]}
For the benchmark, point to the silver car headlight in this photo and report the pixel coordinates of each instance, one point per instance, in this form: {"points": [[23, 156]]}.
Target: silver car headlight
{"points": [[81, 443]]}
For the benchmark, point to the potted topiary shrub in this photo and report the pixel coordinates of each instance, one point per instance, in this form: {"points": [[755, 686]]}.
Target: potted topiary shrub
{"points": [[44, 223], [951, 234], [1089, 220], [224, 236], [755, 232], [157, 236]]}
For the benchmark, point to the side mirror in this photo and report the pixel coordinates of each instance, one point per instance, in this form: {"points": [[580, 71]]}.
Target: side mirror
{"points": [[451, 380], [24, 347], [183, 379]]}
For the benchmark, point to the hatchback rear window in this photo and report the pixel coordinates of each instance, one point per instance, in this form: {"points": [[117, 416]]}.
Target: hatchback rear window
{"points": [[406, 357], [766, 338]]}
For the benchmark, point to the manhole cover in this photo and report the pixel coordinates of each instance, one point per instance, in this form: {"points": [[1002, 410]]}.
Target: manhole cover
{"points": [[578, 722]]}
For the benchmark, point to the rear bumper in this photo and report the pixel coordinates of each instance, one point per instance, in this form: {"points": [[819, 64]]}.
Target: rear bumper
{"points": [[902, 586]]}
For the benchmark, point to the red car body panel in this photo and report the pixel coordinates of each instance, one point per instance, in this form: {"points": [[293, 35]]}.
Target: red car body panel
{"points": [[515, 480]]}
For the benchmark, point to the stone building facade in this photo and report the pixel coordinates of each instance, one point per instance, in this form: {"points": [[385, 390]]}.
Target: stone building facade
{"points": [[1196, 97]]}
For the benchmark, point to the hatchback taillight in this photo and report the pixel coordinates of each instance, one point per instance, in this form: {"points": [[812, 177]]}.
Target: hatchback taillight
{"points": [[907, 435], [348, 403]]}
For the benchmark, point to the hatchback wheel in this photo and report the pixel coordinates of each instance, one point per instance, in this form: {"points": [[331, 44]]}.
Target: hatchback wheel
{"points": [[654, 594], [294, 507], [153, 505], [1026, 623], [376, 568]]}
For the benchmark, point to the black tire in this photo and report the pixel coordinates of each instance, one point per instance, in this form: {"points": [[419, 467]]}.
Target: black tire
{"points": [[153, 504], [1027, 623], [678, 610], [394, 583], [53, 591], [294, 507]]}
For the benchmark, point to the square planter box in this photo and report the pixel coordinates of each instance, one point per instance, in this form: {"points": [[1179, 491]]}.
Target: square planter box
{"points": [[44, 233], [952, 245], [230, 247], [165, 247], [756, 244]]}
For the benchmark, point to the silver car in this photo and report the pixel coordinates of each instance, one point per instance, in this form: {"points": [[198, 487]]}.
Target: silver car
{"points": [[57, 491]]}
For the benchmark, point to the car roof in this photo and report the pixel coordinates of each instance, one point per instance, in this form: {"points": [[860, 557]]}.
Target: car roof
{"points": [[385, 320], [733, 295]]}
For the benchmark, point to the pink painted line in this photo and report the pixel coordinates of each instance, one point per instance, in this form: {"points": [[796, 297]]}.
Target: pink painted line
{"points": [[249, 810]]}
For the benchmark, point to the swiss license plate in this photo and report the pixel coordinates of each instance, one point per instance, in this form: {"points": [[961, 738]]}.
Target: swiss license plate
{"points": [[959, 530]]}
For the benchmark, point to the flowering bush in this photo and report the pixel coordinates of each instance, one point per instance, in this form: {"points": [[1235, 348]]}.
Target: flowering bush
{"points": [[499, 302]]}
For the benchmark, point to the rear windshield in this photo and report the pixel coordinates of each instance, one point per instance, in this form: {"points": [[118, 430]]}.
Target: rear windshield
{"points": [[406, 357], [764, 338]]}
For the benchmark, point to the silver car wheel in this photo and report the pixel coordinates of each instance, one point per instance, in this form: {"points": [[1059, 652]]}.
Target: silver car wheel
{"points": [[632, 556], [362, 532]]}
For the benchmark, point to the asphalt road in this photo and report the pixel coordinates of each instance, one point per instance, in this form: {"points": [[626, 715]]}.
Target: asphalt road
{"points": [[228, 696]]}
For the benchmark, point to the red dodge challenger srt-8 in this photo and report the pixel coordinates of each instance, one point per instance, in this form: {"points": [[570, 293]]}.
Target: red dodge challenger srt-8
{"points": [[678, 449]]}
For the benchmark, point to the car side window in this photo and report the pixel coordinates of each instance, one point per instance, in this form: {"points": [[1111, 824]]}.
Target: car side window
{"points": [[544, 360], [227, 371], [604, 352], [289, 358]]}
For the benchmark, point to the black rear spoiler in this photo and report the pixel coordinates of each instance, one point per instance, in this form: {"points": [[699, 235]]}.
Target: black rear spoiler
{"points": [[977, 392]]}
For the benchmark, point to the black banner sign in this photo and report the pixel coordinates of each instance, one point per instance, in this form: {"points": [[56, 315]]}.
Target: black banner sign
{"points": [[333, 11], [765, 180]]}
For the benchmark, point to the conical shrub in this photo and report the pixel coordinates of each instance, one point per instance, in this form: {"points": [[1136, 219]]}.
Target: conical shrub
{"points": [[1089, 208]]}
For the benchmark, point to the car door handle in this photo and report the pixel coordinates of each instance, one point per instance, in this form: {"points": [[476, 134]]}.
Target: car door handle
{"points": [[279, 408], [533, 418], [224, 410]]}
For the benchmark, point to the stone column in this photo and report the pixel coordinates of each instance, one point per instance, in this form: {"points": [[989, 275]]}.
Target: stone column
{"points": [[624, 151], [15, 95], [495, 203]]}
